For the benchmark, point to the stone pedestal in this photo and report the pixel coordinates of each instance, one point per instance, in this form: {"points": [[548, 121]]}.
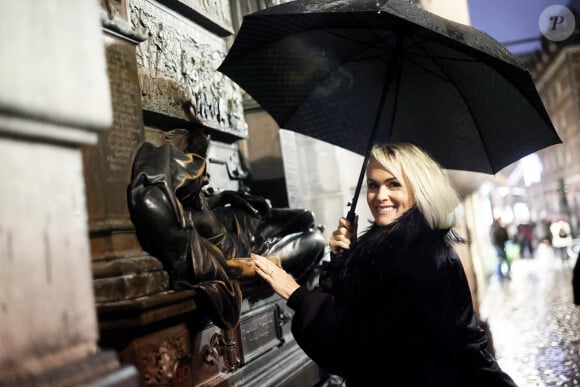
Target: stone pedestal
{"points": [[172, 343]]}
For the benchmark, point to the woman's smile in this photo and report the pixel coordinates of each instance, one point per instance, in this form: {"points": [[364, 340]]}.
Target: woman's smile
{"points": [[387, 197]]}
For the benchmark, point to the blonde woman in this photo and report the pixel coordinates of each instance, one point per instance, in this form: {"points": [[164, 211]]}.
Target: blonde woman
{"points": [[400, 312]]}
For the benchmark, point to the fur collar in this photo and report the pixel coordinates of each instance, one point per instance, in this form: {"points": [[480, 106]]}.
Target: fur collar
{"points": [[408, 230], [385, 255]]}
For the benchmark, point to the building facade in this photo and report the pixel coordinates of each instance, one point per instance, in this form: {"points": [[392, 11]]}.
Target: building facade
{"points": [[557, 77]]}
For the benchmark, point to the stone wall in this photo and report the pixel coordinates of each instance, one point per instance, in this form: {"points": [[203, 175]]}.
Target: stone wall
{"points": [[55, 99]]}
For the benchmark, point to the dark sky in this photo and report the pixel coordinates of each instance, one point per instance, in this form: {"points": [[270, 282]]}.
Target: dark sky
{"points": [[510, 20]]}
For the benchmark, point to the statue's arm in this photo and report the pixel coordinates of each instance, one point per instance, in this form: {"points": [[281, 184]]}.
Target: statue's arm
{"points": [[256, 205]]}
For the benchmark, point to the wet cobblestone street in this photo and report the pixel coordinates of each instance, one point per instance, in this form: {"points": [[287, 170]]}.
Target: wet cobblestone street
{"points": [[534, 322]]}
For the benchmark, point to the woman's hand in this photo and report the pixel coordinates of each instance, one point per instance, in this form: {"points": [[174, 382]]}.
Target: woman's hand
{"points": [[340, 238], [280, 281]]}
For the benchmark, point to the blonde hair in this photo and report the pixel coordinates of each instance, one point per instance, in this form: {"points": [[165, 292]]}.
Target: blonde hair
{"points": [[435, 196]]}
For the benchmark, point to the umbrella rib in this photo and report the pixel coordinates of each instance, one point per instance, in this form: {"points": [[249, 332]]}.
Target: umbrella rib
{"points": [[444, 58], [395, 103], [417, 43], [380, 42], [366, 46], [360, 59], [350, 59], [466, 105], [427, 70], [362, 42], [472, 117]]}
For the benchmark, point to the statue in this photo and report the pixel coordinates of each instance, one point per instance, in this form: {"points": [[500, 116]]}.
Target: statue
{"points": [[203, 239]]}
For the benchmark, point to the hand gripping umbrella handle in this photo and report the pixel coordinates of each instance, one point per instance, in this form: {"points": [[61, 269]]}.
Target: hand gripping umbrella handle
{"points": [[331, 270], [339, 253]]}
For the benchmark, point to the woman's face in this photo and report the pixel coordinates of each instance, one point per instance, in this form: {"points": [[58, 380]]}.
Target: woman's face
{"points": [[387, 197]]}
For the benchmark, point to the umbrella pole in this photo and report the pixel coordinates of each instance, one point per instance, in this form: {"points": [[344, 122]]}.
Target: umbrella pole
{"points": [[392, 68], [332, 268]]}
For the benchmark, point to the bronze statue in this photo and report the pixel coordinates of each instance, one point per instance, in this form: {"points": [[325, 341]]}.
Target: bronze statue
{"points": [[203, 239]]}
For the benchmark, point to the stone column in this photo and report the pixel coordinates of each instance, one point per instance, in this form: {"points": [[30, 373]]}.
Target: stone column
{"points": [[121, 269], [54, 99]]}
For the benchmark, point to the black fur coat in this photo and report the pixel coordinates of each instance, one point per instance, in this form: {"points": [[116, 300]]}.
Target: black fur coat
{"points": [[400, 312]]}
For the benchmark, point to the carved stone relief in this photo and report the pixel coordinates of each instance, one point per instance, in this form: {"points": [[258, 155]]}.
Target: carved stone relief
{"points": [[177, 67], [115, 8], [114, 19], [167, 361], [214, 15], [214, 9]]}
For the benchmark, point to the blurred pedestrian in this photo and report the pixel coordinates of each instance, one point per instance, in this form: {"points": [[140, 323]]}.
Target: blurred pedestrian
{"points": [[526, 239], [499, 238], [561, 237]]}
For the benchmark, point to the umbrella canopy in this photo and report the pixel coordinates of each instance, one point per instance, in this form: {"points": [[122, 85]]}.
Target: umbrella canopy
{"points": [[357, 72]]}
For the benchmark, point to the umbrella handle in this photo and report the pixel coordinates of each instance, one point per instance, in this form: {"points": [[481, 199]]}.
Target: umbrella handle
{"points": [[352, 217], [331, 270]]}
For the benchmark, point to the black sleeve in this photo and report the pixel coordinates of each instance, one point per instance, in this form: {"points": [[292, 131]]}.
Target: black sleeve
{"points": [[324, 329], [454, 316], [330, 270]]}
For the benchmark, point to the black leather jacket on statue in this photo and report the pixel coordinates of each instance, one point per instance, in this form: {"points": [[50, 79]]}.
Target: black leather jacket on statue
{"points": [[400, 311]]}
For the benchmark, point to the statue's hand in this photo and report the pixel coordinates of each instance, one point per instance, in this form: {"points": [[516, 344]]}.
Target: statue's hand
{"points": [[259, 203], [256, 205]]}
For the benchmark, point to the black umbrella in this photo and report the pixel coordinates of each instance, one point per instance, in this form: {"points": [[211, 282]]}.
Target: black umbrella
{"points": [[358, 72]]}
